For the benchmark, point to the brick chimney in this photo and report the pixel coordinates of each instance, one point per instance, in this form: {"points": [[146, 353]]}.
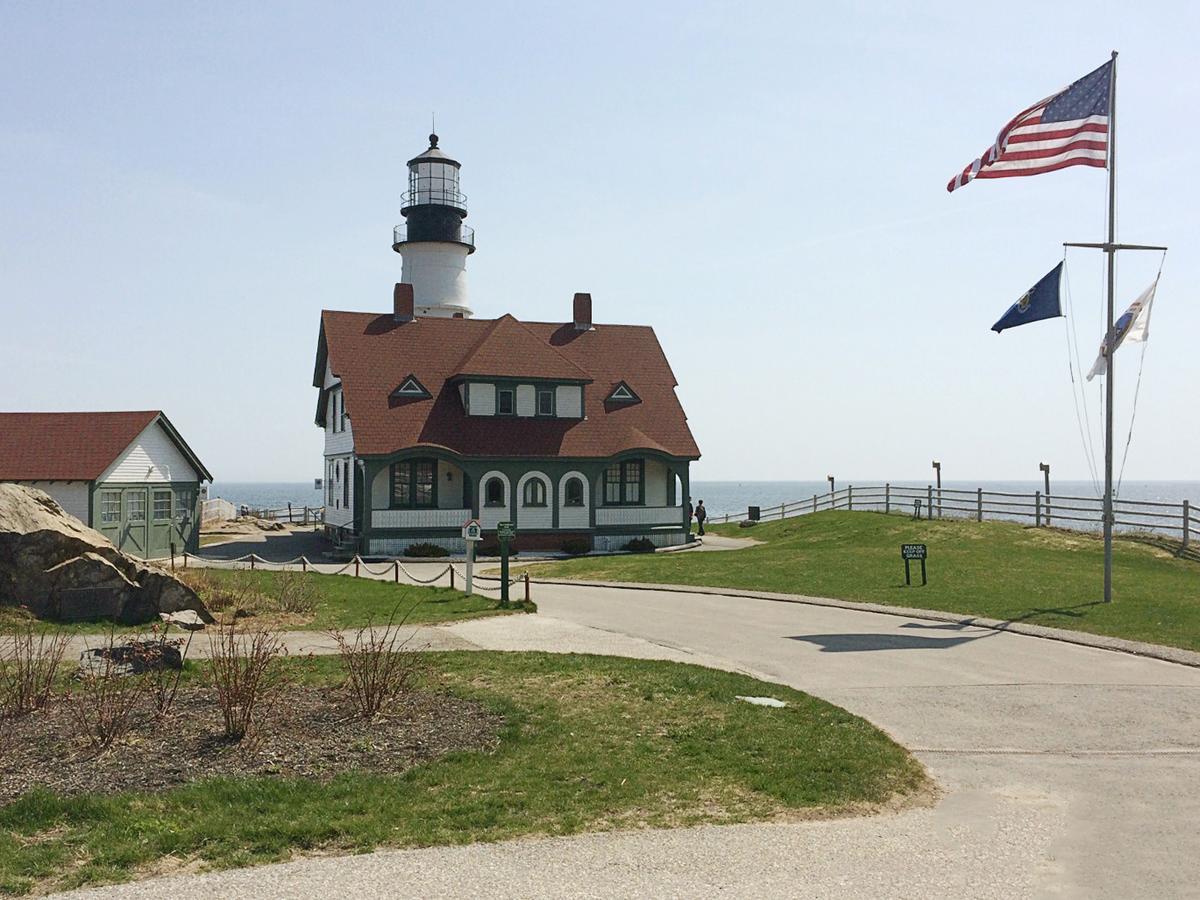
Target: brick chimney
{"points": [[402, 303], [583, 312]]}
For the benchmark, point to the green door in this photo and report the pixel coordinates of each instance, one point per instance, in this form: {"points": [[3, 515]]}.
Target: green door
{"points": [[108, 515], [134, 530], [161, 526]]}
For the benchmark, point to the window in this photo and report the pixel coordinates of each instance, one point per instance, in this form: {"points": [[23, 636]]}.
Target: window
{"points": [[504, 401], [493, 492], [183, 506], [545, 402], [110, 506], [330, 487], [411, 387], [573, 493], [346, 484], [623, 393], [162, 506], [535, 492], [342, 414], [414, 483], [136, 507], [623, 483]]}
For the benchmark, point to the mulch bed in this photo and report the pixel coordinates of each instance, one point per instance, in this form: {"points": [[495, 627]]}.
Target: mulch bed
{"points": [[310, 732]]}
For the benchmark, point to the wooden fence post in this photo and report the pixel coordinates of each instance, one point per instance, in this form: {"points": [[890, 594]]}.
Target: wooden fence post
{"points": [[814, 502], [304, 564], [1037, 509], [887, 498], [397, 572], [185, 559], [451, 568], [929, 503], [526, 587], [251, 562], [979, 504], [1047, 509], [1187, 522], [356, 565], [849, 496]]}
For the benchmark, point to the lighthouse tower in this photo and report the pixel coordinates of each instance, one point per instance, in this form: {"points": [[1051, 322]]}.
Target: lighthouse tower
{"points": [[433, 241]]}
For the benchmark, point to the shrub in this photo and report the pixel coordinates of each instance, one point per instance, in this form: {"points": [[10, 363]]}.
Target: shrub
{"points": [[425, 550], [640, 545], [239, 590], [107, 697], [379, 666], [575, 546], [245, 673], [28, 666], [162, 676], [295, 591]]}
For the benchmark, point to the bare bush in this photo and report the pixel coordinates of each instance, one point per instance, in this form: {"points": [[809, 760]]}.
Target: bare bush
{"points": [[107, 697], [379, 666], [162, 677], [295, 591], [29, 664], [245, 672]]}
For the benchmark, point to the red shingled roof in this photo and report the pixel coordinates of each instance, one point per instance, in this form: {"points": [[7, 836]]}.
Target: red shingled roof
{"points": [[372, 354], [73, 446]]}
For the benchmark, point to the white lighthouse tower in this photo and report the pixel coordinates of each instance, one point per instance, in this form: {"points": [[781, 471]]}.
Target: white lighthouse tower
{"points": [[433, 241]]}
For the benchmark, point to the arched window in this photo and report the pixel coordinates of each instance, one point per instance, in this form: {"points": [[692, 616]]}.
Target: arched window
{"points": [[573, 493], [493, 492], [535, 492]]}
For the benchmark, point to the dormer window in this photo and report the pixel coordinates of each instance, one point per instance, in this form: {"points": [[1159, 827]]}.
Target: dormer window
{"points": [[505, 402], [623, 393], [411, 388], [545, 401]]}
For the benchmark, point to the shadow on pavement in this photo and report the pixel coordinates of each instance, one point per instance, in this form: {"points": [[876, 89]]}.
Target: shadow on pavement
{"points": [[272, 546], [859, 643]]}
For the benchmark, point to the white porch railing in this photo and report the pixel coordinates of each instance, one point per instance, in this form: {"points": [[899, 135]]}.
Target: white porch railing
{"points": [[419, 518], [639, 515]]}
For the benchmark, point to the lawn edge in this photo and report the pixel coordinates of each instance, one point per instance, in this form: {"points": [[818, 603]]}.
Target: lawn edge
{"points": [[1162, 652]]}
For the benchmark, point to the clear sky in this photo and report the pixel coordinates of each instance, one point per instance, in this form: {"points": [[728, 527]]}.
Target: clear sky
{"points": [[183, 187]]}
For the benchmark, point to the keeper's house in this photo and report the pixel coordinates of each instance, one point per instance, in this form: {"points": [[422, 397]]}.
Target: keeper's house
{"points": [[129, 475], [570, 429]]}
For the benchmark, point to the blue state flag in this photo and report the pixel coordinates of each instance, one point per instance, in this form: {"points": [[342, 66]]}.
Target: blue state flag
{"points": [[1041, 301]]}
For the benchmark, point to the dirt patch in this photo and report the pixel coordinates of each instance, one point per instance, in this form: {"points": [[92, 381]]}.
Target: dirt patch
{"points": [[309, 734]]}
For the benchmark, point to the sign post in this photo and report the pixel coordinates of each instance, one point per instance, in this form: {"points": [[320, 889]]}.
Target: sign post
{"points": [[505, 532], [909, 552], [472, 534]]}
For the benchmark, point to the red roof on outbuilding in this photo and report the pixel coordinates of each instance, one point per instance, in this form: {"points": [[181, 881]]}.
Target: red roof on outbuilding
{"points": [[372, 354], [71, 446]]}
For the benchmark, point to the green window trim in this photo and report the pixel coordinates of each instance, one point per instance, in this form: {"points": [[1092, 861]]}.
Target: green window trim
{"points": [[624, 483], [511, 394], [413, 484], [534, 492], [547, 409]]}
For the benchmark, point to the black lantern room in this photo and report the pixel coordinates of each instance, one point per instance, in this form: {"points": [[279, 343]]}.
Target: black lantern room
{"points": [[434, 207]]}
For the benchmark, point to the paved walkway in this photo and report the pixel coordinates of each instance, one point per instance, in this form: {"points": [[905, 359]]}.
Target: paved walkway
{"points": [[1068, 771]]}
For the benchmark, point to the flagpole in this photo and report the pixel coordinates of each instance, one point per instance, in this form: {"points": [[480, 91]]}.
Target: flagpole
{"points": [[1111, 251]]}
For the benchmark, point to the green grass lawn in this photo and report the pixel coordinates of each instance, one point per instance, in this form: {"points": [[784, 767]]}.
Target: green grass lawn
{"points": [[339, 601], [588, 743], [997, 570]]}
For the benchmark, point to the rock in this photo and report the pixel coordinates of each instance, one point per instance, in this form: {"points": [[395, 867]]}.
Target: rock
{"points": [[186, 619], [59, 568], [747, 523]]}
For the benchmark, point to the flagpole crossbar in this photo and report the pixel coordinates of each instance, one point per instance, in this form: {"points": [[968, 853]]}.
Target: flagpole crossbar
{"points": [[1109, 248]]}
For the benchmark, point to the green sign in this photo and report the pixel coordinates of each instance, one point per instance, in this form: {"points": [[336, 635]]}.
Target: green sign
{"points": [[506, 530]]}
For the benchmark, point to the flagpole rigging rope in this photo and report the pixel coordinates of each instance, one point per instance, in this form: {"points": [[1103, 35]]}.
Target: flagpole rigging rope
{"points": [[1077, 390], [1137, 390]]}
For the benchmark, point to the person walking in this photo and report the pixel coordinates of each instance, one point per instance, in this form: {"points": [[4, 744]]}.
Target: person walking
{"points": [[701, 515]]}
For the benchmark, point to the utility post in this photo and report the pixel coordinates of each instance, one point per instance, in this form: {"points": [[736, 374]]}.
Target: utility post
{"points": [[829, 478], [937, 468], [1045, 469]]}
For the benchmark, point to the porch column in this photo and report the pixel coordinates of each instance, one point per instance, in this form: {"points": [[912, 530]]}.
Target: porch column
{"points": [[370, 468], [686, 485]]}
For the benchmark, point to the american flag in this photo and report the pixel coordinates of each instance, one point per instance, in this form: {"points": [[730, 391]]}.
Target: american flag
{"points": [[1069, 128]]}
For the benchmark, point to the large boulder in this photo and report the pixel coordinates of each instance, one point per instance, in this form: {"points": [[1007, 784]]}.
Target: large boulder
{"points": [[59, 568]]}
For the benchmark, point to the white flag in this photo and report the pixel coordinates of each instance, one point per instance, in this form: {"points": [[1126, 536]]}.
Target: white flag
{"points": [[1133, 325]]}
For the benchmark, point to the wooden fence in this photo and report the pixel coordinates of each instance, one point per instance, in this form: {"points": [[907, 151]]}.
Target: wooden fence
{"points": [[929, 502], [223, 510]]}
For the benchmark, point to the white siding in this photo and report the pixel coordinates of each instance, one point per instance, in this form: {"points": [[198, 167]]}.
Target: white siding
{"points": [[419, 518], [397, 546], [339, 471], [610, 542], [526, 400], [483, 398], [491, 516], [569, 401], [535, 516], [336, 441], [639, 515], [152, 457], [72, 496], [571, 517], [657, 476]]}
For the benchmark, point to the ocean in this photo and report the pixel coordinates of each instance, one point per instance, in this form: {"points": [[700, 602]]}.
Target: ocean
{"points": [[721, 497]]}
